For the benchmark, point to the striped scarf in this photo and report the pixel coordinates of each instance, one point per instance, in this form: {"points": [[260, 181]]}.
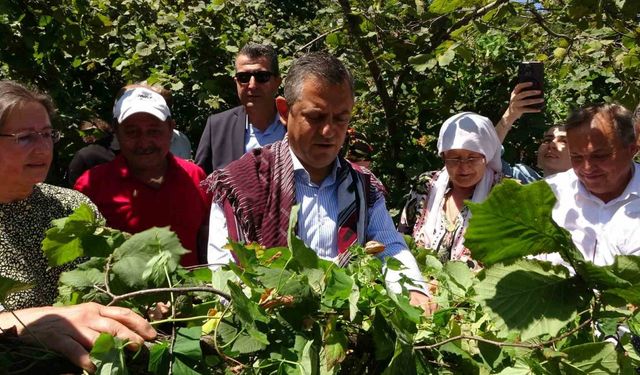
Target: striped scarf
{"points": [[257, 191]]}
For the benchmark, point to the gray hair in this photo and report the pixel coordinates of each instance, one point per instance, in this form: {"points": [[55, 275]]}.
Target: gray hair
{"points": [[14, 95], [620, 118], [256, 51], [321, 65]]}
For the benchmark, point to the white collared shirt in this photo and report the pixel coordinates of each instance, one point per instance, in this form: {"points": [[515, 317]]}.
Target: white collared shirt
{"points": [[622, 234], [588, 218]]}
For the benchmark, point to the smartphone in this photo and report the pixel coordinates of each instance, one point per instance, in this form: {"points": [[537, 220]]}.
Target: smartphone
{"points": [[533, 71]]}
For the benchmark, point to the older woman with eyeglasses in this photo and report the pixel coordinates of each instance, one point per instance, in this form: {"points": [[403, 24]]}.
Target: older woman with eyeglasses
{"points": [[27, 207], [470, 149]]}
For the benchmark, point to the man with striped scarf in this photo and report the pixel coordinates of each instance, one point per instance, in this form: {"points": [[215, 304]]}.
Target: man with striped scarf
{"points": [[340, 204]]}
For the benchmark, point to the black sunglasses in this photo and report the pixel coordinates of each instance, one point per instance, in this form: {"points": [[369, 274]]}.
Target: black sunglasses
{"points": [[262, 76]]}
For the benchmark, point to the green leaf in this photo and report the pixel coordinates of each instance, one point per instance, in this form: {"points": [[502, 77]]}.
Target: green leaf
{"points": [[413, 313], [600, 277], [159, 358], [139, 262], [335, 348], [447, 57], [246, 344], [304, 256], [447, 6], [220, 278], [60, 253], [629, 295], [380, 333], [501, 229], [187, 343], [63, 242], [592, 358], [184, 367], [108, 355], [104, 19], [491, 354], [157, 267], [9, 286], [627, 267], [246, 256], [442, 316], [308, 355], [80, 279], [459, 277], [394, 264], [420, 63], [143, 49], [521, 367], [258, 336], [465, 363], [634, 323], [246, 310], [532, 297], [204, 275], [339, 286]]}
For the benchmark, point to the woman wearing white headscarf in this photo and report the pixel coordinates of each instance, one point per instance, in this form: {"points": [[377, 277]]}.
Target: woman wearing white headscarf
{"points": [[470, 148]]}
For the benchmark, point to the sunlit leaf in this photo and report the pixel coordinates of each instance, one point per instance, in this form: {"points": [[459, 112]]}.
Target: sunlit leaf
{"points": [[501, 229], [592, 358], [530, 297], [142, 259], [108, 355]]}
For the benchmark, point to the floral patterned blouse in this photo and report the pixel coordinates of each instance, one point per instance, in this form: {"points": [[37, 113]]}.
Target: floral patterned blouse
{"points": [[447, 233], [22, 228]]}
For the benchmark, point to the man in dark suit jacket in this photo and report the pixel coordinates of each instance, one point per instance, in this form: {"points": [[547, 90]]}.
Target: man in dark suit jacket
{"points": [[255, 123]]}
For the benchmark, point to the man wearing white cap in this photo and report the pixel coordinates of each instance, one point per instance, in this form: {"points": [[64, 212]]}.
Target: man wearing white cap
{"points": [[145, 185]]}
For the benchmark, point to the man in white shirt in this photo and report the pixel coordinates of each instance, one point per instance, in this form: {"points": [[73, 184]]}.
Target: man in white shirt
{"points": [[621, 235], [340, 204], [603, 178]]}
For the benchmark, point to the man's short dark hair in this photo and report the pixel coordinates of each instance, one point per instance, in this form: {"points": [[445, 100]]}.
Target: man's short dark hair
{"points": [[256, 51], [614, 114], [322, 66]]}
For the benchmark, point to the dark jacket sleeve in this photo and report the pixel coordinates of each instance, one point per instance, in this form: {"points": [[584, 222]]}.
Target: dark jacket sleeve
{"points": [[203, 153], [222, 140]]}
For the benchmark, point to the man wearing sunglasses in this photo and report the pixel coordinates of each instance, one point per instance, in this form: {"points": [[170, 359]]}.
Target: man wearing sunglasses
{"points": [[228, 135]]}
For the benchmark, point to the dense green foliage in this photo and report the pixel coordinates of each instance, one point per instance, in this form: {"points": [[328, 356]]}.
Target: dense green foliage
{"points": [[416, 62], [285, 311]]}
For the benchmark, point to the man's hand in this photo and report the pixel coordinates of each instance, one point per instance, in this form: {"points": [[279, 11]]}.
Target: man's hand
{"points": [[71, 331], [423, 301]]}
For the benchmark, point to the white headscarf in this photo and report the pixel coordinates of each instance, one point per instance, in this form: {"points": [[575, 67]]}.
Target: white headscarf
{"points": [[472, 132], [467, 131]]}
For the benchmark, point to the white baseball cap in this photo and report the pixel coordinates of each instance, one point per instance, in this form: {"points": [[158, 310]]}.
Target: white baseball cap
{"points": [[140, 99]]}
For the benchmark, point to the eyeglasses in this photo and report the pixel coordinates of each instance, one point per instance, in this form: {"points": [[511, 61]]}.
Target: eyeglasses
{"points": [[29, 139], [262, 76], [473, 161]]}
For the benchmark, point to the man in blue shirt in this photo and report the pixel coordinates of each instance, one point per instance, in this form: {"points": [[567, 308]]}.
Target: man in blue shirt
{"points": [[340, 204], [255, 123]]}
